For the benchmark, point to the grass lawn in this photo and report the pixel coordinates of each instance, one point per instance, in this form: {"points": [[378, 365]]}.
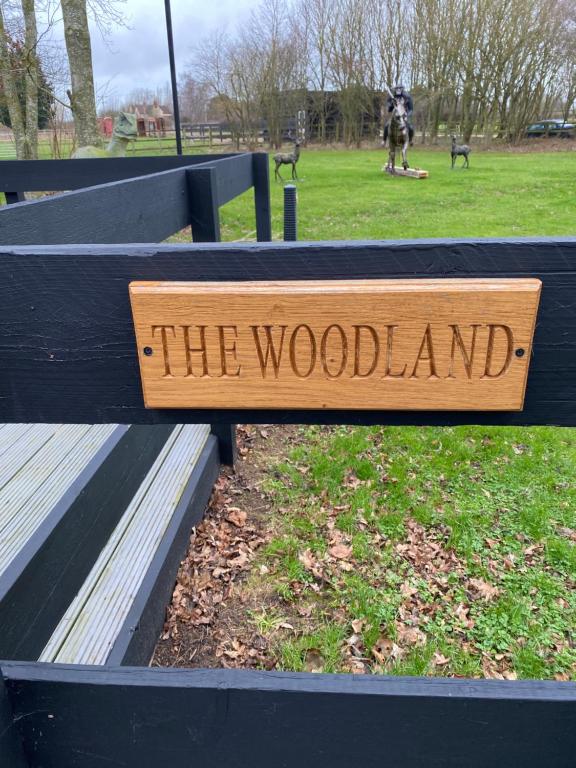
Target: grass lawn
{"points": [[423, 551], [444, 551], [438, 551], [343, 195]]}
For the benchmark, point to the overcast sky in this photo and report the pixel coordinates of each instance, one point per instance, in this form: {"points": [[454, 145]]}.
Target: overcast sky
{"points": [[138, 57]]}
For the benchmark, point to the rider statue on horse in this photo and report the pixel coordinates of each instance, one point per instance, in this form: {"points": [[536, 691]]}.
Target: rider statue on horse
{"points": [[393, 97], [398, 129]]}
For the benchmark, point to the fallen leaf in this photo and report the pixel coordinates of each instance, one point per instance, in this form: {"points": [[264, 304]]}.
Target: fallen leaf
{"points": [[313, 661], [410, 635], [340, 551], [483, 589], [407, 590], [307, 559], [236, 516]]}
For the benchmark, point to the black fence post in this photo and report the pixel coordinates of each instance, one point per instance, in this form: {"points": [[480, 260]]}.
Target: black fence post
{"points": [[226, 434], [203, 204], [261, 172], [14, 197], [290, 213], [11, 748]]}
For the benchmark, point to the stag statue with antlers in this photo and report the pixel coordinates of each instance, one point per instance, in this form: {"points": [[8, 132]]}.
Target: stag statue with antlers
{"points": [[287, 158]]}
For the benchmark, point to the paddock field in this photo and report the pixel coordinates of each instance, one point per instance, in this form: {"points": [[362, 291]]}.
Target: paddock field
{"points": [[439, 551], [343, 195], [436, 551]]}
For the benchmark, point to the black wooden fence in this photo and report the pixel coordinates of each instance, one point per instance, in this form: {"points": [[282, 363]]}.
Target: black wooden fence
{"points": [[68, 354], [142, 199]]}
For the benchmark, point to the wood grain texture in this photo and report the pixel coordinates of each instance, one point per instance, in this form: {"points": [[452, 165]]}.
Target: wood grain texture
{"points": [[58, 175], [449, 344], [235, 719], [139, 633], [143, 209], [68, 350], [38, 587], [11, 747]]}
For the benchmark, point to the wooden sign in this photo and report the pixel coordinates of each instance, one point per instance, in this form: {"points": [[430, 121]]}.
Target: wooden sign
{"points": [[357, 344]]}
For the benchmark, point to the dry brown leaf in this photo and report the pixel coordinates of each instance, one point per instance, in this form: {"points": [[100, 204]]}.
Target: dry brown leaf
{"points": [[307, 559], [407, 590], [382, 649], [236, 516], [313, 661], [410, 635], [340, 551], [483, 589]]}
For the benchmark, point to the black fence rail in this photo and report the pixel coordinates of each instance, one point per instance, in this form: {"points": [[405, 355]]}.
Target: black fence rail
{"points": [[68, 353], [138, 199], [79, 364], [73, 716]]}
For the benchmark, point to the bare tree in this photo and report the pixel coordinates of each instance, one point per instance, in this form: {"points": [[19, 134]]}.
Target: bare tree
{"points": [[82, 96], [19, 68], [311, 17], [475, 66]]}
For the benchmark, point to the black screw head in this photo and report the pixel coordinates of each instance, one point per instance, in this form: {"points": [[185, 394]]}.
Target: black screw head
{"points": [[520, 352], [148, 351]]}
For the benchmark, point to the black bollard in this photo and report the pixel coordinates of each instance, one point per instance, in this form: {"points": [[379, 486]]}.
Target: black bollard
{"points": [[290, 213]]}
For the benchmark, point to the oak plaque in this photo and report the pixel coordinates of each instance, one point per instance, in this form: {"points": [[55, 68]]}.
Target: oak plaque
{"points": [[358, 344]]}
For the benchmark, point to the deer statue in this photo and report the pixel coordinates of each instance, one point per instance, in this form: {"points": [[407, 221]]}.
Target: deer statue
{"points": [[462, 150], [287, 158]]}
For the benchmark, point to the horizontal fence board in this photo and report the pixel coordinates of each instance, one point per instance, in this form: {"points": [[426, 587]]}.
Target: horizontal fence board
{"points": [[233, 177], [234, 719], [11, 747], [142, 209], [67, 341], [58, 175]]}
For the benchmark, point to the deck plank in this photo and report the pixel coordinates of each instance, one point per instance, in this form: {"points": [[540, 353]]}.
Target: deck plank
{"points": [[89, 627], [35, 473]]}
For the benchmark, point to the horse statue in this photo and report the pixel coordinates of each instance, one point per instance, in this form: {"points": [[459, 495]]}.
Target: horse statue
{"points": [[398, 135]]}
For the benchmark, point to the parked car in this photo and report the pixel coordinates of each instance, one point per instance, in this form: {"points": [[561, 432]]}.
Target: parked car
{"points": [[551, 128]]}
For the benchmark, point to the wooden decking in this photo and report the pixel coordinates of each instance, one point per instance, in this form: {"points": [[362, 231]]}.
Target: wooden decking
{"points": [[91, 624], [93, 523], [38, 465]]}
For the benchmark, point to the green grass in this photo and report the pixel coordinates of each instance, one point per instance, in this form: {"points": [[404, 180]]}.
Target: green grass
{"points": [[433, 517], [478, 506], [343, 195]]}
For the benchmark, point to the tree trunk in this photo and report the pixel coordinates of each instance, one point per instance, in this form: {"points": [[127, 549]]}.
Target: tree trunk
{"points": [[11, 92], [30, 42], [82, 98]]}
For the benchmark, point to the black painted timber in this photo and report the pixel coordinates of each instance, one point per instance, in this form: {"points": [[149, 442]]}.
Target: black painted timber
{"points": [[226, 434], [67, 341], [38, 586], [74, 716], [11, 746], [140, 631], [261, 169], [17, 176], [15, 197], [139, 210], [203, 204]]}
